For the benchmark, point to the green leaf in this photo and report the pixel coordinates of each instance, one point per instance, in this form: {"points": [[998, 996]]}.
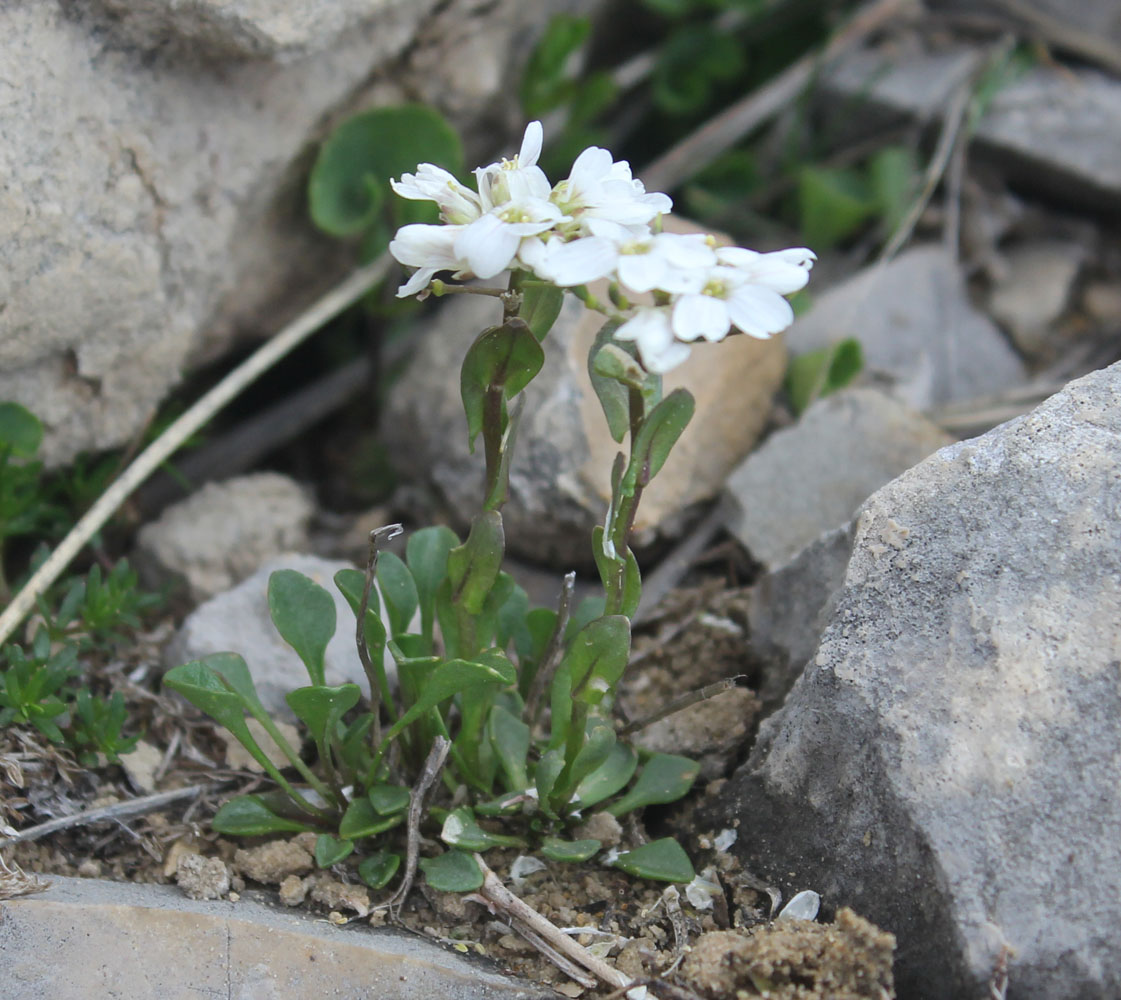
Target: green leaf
{"points": [[202, 687], [510, 738], [249, 816], [893, 175], [612, 395], [398, 589], [20, 430], [362, 820], [351, 583], [661, 429], [447, 679], [304, 615], [452, 871], [463, 831], [664, 860], [321, 708], [473, 567], [427, 556], [541, 305], [632, 575], [597, 657], [331, 850], [597, 747], [377, 870], [664, 778], [834, 203], [569, 851], [388, 800], [607, 779], [543, 84], [348, 182], [692, 62], [818, 373], [504, 358], [549, 768]]}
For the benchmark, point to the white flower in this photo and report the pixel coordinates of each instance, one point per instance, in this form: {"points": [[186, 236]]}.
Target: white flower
{"points": [[652, 333], [745, 291], [490, 243], [517, 179], [641, 263], [458, 205], [598, 188], [429, 248]]}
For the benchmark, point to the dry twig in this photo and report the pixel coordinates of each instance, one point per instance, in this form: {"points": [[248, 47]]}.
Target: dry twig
{"points": [[498, 899], [432, 767], [334, 302], [118, 811]]}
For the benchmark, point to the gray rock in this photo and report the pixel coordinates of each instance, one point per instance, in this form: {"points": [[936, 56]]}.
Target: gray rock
{"points": [[238, 622], [1034, 291], [153, 205], [221, 534], [947, 764], [246, 28], [788, 609], [560, 473], [810, 478], [1100, 18], [921, 336], [85, 938], [1052, 130]]}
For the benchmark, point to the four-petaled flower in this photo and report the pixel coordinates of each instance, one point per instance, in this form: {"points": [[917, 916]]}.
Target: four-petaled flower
{"points": [[596, 224]]}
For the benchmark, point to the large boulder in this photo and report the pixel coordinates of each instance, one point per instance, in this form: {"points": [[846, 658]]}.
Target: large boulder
{"points": [[948, 762], [154, 161]]}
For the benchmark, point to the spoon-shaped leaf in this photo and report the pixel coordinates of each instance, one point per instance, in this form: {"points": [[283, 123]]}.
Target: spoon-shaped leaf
{"points": [[304, 615], [664, 778]]}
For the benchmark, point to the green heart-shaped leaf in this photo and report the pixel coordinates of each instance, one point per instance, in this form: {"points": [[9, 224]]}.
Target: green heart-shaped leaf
{"points": [[388, 800], [463, 831], [660, 430], [331, 850], [348, 182], [504, 358], [377, 870], [541, 305], [597, 656], [452, 871], [473, 567], [664, 860], [427, 556]]}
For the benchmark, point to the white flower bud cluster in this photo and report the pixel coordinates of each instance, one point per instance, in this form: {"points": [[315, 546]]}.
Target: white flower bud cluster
{"points": [[598, 223]]}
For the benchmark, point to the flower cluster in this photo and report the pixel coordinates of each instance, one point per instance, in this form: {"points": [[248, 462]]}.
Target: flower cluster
{"points": [[598, 223]]}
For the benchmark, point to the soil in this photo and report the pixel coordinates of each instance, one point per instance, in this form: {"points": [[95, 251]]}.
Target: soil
{"points": [[688, 942]]}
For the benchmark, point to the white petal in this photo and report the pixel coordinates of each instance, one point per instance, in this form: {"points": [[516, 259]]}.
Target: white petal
{"points": [[531, 145], [685, 250], [418, 282], [587, 259], [641, 272], [487, 245], [589, 168], [534, 254], [700, 316], [662, 361], [759, 311], [421, 245]]}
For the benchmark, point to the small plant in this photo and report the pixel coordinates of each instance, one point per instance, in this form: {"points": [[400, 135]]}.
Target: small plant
{"points": [[519, 698]]}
